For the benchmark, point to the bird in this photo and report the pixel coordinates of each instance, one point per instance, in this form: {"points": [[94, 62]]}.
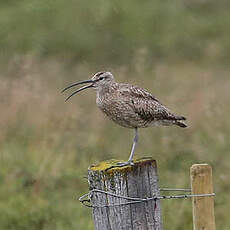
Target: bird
{"points": [[128, 105]]}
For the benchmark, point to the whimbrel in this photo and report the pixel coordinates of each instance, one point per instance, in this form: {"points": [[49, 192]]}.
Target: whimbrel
{"points": [[128, 106]]}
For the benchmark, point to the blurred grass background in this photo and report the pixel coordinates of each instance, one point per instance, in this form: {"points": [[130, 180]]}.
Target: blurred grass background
{"points": [[179, 51]]}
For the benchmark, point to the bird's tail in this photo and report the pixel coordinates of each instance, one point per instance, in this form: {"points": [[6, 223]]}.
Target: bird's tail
{"points": [[181, 124], [179, 121], [180, 118], [174, 120]]}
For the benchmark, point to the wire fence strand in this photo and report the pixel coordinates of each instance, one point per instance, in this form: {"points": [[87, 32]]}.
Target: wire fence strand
{"points": [[86, 198]]}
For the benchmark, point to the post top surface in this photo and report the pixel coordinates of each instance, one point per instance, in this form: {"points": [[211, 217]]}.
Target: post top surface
{"points": [[197, 167], [105, 165]]}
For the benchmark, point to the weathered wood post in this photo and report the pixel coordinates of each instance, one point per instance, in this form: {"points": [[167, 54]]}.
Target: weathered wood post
{"points": [[138, 181], [203, 207]]}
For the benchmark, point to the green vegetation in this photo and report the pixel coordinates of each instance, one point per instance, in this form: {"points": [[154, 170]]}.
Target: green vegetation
{"points": [[113, 32], [178, 50]]}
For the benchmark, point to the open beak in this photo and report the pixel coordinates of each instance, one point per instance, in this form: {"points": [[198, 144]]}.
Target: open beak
{"points": [[77, 91]]}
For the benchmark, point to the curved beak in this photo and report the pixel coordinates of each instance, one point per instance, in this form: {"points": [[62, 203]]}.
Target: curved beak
{"points": [[77, 91]]}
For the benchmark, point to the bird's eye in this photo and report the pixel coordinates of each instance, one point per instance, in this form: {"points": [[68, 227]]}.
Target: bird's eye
{"points": [[101, 78]]}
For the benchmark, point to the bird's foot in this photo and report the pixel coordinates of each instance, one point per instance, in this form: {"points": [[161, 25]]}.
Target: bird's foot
{"points": [[121, 164]]}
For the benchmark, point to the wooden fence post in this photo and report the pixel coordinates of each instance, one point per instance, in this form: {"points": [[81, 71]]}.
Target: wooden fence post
{"points": [[138, 181], [203, 207]]}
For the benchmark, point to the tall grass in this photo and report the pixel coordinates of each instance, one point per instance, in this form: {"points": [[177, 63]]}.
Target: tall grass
{"points": [[47, 144]]}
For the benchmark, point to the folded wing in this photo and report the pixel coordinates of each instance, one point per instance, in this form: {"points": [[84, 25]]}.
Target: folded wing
{"points": [[147, 106]]}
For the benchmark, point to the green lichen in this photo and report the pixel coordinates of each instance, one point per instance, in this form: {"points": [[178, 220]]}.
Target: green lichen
{"points": [[110, 166]]}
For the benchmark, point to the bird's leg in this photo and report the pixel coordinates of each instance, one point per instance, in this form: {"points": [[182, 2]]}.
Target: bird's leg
{"points": [[130, 161], [135, 140]]}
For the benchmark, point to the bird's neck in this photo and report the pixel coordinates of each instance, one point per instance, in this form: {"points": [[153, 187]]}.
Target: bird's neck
{"points": [[106, 89]]}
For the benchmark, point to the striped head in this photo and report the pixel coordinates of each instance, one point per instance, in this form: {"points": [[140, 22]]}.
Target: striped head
{"points": [[102, 79]]}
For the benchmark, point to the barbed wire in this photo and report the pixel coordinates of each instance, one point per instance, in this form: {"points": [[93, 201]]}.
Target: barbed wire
{"points": [[133, 200]]}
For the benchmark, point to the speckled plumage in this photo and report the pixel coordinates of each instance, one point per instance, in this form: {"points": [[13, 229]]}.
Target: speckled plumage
{"points": [[128, 105], [134, 107]]}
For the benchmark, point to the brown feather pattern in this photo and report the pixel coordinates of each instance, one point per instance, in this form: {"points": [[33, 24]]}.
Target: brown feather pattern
{"points": [[133, 107]]}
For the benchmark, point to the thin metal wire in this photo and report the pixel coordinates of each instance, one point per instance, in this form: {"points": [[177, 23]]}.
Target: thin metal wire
{"points": [[134, 200], [175, 189]]}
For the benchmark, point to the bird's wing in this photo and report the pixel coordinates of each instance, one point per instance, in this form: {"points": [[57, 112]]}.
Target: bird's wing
{"points": [[145, 104]]}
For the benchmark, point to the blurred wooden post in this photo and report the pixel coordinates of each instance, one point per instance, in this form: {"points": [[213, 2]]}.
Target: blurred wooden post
{"points": [[139, 181], [203, 207]]}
